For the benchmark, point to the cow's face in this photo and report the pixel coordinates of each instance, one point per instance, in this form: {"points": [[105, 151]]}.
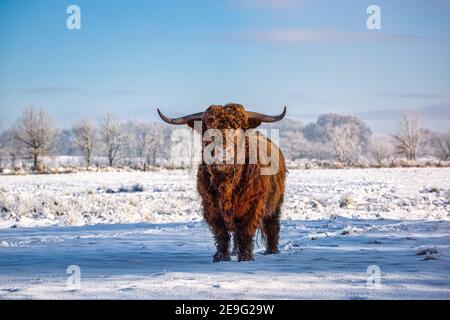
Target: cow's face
{"points": [[223, 124], [230, 116], [223, 127]]}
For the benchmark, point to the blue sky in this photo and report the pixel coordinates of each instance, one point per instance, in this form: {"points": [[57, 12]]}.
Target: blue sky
{"points": [[313, 56]]}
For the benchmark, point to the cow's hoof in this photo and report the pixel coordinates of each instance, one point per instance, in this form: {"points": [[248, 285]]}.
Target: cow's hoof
{"points": [[221, 257], [246, 258], [272, 251]]}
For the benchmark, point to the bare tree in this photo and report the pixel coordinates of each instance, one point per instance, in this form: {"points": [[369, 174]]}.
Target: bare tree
{"points": [[161, 147], [3, 149], [145, 140], [35, 131], [85, 136], [113, 137], [381, 149], [408, 136], [345, 143], [441, 143], [294, 145], [10, 148]]}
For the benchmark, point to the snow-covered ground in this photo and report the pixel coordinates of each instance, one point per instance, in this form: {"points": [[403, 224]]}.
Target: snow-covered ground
{"points": [[139, 235], [170, 196]]}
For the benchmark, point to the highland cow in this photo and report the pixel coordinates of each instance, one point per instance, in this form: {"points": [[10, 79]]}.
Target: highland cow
{"points": [[237, 198]]}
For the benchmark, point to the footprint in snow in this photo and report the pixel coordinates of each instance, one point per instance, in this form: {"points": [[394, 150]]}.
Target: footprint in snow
{"points": [[11, 290], [430, 252], [128, 288], [426, 250]]}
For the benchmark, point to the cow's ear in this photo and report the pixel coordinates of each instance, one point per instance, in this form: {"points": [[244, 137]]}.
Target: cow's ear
{"points": [[253, 123]]}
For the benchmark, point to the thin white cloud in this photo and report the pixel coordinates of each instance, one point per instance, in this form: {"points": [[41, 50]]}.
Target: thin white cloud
{"points": [[298, 97], [270, 4], [410, 95], [436, 111], [54, 90], [299, 35], [51, 90]]}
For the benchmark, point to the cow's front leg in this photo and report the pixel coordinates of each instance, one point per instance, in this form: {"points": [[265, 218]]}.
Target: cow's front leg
{"points": [[244, 240], [222, 240]]}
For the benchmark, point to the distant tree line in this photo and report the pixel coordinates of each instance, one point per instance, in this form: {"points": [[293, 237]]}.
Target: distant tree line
{"points": [[110, 141], [349, 140]]}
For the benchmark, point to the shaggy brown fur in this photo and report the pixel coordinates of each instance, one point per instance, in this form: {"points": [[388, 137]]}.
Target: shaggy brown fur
{"points": [[236, 198]]}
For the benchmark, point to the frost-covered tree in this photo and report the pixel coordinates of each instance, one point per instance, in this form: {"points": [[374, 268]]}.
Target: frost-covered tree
{"points": [[426, 143], [408, 136], [381, 149], [294, 145], [322, 135], [3, 151], [314, 141], [163, 151], [65, 143], [35, 131], [345, 143], [315, 133], [145, 141], [441, 144], [10, 149], [85, 137], [291, 139], [329, 121], [113, 137]]}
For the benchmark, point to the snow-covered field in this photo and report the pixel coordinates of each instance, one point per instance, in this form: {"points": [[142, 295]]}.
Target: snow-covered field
{"points": [[139, 235]]}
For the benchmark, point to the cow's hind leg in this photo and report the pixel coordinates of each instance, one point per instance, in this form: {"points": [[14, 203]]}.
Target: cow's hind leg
{"points": [[222, 240], [271, 231]]}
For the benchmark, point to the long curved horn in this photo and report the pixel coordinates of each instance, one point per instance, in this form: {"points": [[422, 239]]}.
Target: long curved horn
{"points": [[255, 116], [182, 120]]}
